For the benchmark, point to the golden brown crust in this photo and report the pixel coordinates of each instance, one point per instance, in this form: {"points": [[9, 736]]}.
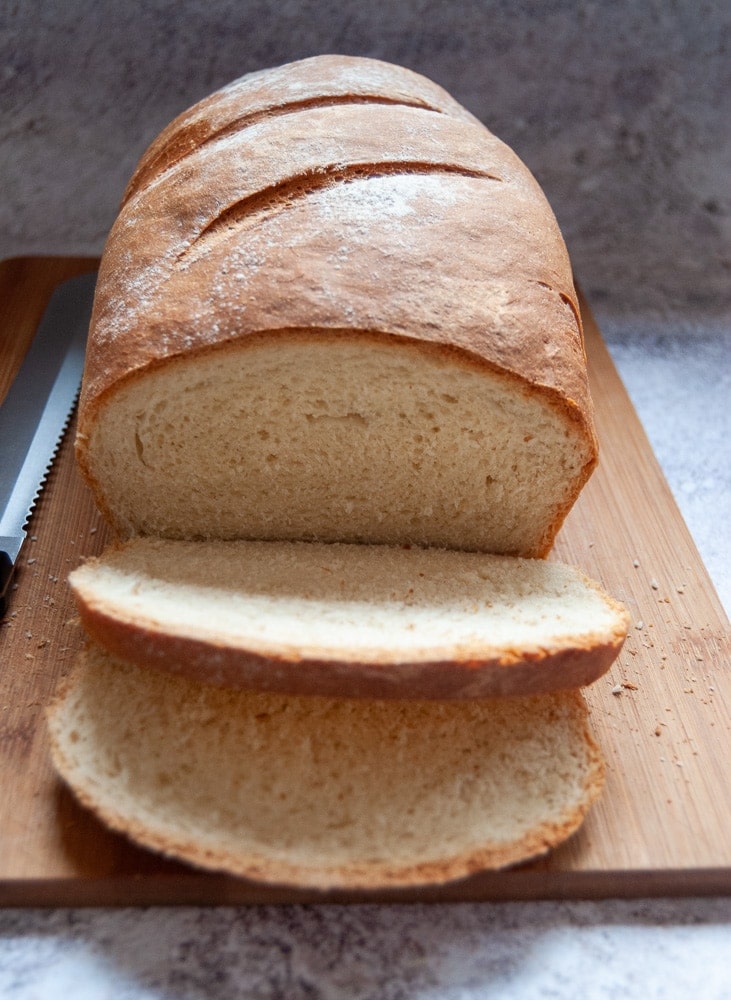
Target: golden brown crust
{"points": [[307, 83], [245, 237]]}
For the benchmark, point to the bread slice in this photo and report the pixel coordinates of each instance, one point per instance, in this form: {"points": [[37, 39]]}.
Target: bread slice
{"points": [[319, 792], [347, 315], [349, 620]]}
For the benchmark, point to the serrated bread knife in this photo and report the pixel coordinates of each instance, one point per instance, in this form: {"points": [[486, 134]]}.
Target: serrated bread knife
{"points": [[36, 412]]}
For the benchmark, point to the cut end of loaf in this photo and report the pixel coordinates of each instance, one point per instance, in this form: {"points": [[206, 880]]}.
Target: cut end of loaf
{"points": [[324, 793], [337, 438]]}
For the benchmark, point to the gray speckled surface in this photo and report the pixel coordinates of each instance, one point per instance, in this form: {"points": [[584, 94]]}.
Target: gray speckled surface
{"points": [[622, 111], [629, 951]]}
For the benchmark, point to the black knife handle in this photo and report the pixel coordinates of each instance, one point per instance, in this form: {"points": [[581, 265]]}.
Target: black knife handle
{"points": [[6, 579]]}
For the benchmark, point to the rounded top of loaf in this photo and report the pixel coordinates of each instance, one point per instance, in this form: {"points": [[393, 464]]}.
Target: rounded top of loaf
{"points": [[318, 81], [495, 278]]}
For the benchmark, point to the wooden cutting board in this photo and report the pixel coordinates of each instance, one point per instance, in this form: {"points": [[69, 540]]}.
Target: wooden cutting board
{"points": [[662, 715]]}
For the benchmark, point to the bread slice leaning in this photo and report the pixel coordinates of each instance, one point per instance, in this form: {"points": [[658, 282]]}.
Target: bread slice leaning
{"points": [[349, 620], [319, 792]]}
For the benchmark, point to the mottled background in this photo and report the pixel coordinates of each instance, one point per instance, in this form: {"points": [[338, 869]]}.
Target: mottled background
{"points": [[622, 109]]}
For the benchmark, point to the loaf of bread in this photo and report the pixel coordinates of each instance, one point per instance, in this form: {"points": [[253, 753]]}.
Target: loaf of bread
{"points": [[349, 620], [335, 408], [335, 307], [324, 792]]}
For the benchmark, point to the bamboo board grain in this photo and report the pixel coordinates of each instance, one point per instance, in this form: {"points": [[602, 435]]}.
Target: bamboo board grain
{"points": [[662, 715]]}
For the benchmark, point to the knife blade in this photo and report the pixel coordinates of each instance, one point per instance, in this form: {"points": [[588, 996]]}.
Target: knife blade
{"points": [[35, 413]]}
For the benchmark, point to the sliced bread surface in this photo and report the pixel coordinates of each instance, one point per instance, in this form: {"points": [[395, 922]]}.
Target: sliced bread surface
{"points": [[349, 620], [323, 792], [328, 436]]}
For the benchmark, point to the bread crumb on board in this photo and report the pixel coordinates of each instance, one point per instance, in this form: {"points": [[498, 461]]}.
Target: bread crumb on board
{"points": [[624, 686]]}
